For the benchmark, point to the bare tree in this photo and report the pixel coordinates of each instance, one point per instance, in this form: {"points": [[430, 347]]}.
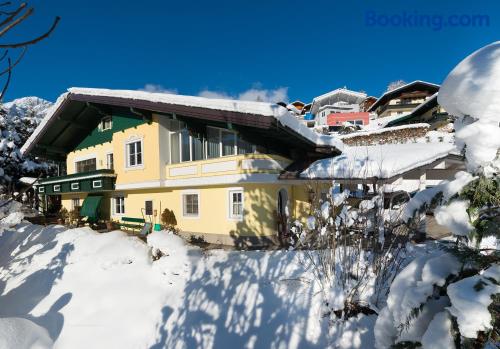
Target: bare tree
{"points": [[11, 53]]}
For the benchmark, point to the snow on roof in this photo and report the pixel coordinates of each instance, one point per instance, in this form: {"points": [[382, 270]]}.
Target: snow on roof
{"points": [[340, 91], [381, 161], [400, 88], [280, 113]]}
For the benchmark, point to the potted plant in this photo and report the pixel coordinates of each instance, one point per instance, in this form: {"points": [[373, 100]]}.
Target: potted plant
{"points": [[110, 225], [62, 216]]}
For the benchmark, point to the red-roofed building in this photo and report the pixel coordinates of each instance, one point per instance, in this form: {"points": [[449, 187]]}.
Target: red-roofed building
{"points": [[355, 118]]}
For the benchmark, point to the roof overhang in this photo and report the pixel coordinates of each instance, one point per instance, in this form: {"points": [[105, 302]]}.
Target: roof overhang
{"points": [[77, 113]]}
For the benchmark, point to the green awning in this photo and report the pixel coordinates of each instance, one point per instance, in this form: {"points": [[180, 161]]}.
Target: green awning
{"points": [[90, 207]]}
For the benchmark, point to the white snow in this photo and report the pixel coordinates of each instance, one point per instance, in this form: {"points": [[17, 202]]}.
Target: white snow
{"points": [[104, 291], [454, 216], [382, 161], [280, 113], [447, 188], [411, 288], [438, 334], [18, 333], [472, 90], [470, 305]]}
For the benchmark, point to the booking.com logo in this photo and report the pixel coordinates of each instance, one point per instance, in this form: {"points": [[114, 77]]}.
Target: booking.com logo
{"points": [[418, 20]]}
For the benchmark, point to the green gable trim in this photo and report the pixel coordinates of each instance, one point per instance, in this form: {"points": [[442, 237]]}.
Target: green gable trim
{"points": [[120, 123]]}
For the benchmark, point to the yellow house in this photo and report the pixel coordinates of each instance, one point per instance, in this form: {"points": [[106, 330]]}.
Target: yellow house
{"points": [[129, 155]]}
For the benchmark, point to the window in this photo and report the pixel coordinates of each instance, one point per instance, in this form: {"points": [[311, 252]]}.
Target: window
{"points": [[119, 205], [148, 207], [213, 146], [57, 187], [75, 203], [97, 184], [190, 205], [85, 165], [110, 161], [185, 150], [134, 154], [75, 186], [228, 142], [41, 189], [236, 204], [106, 124], [189, 145]]}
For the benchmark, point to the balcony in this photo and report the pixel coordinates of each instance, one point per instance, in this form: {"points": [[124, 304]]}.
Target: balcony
{"points": [[85, 182]]}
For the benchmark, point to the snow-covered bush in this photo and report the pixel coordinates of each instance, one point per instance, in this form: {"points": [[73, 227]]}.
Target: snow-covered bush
{"points": [[18, 120], [354, 252], [450, 298]]}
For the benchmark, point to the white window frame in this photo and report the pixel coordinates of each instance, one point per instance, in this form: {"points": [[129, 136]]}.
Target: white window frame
{"points": [[127, 157], [94, 183], [41, 189], [73, 206], [184, 193], [107, 160], [113, 205], [58, 186], [101, 124], [230, 193], [77, 186]]}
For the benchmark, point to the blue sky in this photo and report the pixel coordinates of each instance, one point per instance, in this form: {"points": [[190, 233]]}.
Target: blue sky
{"points": [[306, 48]]}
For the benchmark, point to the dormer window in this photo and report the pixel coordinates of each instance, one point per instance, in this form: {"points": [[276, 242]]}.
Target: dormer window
{"points": [[106, 124]]}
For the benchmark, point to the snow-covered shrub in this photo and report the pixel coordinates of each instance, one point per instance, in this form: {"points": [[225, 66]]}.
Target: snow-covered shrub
{"points": [[451, 298], [354, 252], [18, 120]]}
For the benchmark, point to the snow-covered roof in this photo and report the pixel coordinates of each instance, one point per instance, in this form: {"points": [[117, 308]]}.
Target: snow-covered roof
{"points": [[254, 109], [387, 93], [380, 161]]}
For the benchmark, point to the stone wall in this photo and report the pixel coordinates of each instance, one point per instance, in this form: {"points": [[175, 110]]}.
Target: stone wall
{"points": [[396, 134]]}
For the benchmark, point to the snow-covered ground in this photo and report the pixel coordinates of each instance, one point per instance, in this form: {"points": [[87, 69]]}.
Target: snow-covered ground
{"points": [[75, 288]]}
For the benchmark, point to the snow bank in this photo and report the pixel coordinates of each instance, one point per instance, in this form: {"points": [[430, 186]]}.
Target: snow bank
{"points": [[104, 291], [472, 90], [21, 333], [382, 161], [470, 298]]}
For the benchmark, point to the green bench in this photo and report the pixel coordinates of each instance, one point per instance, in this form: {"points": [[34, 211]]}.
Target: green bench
{"points": [[135, 224]]}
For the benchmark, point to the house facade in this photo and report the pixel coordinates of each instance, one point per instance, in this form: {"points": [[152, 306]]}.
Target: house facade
{"points": [[214, 163], [404, 99]]}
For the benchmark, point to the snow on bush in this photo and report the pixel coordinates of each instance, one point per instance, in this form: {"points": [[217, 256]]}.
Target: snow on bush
{"points": [[471, 92], [438, 333], [454, 216], [464, 278], [470, 298]]}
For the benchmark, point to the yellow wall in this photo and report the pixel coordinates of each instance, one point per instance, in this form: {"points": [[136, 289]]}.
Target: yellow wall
{"points": [[260, 199]]}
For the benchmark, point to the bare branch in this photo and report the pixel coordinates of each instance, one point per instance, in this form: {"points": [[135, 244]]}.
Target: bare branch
{"points": [[33, 41], [28, 13], [7, 82], [13, 14], [16, 62], [4, 55]]}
